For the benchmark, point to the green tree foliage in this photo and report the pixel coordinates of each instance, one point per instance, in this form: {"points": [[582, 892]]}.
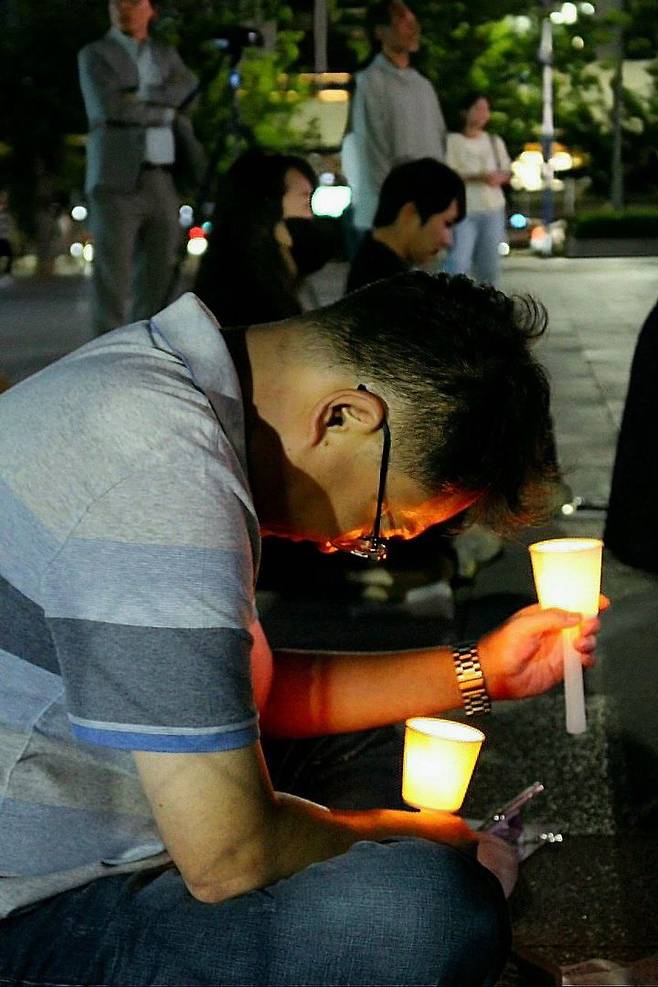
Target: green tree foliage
{"points": [[42, 113], [260, 109], [491, 46], [486, 45]]}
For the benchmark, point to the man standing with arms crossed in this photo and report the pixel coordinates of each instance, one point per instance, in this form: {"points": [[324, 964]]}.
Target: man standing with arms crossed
{"points": [[132, 88], [395, 114]]}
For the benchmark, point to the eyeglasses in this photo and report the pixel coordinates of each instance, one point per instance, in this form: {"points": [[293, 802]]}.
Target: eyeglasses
{"points": [[373, 547]]}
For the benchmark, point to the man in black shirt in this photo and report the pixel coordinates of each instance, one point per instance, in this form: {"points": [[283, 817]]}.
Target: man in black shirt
{"points": [[418, 204]]}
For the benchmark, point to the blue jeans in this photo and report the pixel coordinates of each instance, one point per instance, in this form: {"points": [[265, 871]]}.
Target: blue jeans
{"points": [[399, 911], [474, 248]]}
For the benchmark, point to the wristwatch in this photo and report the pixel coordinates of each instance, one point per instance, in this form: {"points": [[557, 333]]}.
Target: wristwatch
{"points": [[470, 679]]}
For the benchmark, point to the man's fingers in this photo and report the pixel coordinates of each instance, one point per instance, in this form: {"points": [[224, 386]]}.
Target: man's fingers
{"points": [[604, 603], [500, 858], [538, 621]]}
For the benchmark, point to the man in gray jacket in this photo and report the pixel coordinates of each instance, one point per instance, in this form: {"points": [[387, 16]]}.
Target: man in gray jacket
{"points": [[132, 88], [395, 113]]}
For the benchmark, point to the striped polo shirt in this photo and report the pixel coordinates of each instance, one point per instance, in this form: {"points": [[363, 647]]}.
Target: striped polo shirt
{"points": [[128, 550]]}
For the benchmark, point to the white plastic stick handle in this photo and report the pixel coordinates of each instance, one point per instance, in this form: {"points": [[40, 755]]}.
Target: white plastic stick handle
{"points": [[574, 693]]}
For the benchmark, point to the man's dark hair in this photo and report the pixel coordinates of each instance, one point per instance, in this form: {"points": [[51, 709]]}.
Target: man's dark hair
{"points": [[471, 403], [469, 97], [294, 161], [379, 15], [461, 107], [429, 184], [243, 277]]}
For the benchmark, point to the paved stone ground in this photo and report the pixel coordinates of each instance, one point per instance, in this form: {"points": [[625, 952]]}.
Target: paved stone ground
{"points": [[594, 895], [596, 308]]}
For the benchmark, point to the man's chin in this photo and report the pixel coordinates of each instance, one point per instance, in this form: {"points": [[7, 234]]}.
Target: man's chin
{"points": [[276, 531]]}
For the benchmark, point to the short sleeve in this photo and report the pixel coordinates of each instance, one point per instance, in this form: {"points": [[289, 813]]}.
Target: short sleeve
{"points": [[503, 154], [149, 603], [453, 158]]}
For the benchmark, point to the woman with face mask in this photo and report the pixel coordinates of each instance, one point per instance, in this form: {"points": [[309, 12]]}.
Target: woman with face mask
{"points": [[263, 241]]}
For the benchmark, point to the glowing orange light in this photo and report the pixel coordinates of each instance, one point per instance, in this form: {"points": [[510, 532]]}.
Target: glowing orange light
{"points": [[567, 575], [439, 759]]}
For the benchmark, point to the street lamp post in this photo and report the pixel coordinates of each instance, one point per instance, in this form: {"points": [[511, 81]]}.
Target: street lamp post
{"points": [[320, 18], [613, 50], [547, 125]]}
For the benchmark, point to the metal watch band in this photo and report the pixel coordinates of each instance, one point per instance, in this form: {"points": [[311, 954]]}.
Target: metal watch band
{"points": [[470, 679]]}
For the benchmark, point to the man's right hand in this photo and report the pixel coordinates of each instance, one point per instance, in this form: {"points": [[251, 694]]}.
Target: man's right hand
{"points": [[501, 858], [497, 178]]}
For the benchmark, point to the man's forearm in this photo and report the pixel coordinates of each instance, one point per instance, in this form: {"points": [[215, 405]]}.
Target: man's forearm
{"points": [[478, 178], [229, 833], [303, 833], [318, 693]]}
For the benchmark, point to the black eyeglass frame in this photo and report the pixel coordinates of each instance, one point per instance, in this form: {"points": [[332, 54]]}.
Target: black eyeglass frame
{"points": [[373, 547]]}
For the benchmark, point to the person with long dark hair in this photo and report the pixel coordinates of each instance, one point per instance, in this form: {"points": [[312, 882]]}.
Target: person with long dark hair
{"points": [[251, 270]]}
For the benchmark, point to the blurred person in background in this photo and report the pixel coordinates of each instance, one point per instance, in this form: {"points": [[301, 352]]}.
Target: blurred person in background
{"points": [[133, 87], [482, 160], [419, 204], [263, 241], [631, 529], [6, 237], [395, 114]]}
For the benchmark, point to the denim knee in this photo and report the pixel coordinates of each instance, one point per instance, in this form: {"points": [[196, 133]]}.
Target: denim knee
{"points": [[403, 912], [450, 911]]}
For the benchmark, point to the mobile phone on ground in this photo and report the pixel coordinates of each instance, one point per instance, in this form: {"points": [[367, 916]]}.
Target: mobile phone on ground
{"points": [[504, 815]]}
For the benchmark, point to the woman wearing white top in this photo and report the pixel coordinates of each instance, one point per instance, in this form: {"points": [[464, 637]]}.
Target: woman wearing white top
{"points": [[481, 159]]}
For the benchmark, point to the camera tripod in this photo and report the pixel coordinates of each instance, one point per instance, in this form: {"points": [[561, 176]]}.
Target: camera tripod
{"points": [[231, 45]]}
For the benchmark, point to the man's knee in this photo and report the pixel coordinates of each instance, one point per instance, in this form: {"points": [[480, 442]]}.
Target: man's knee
{"points": [[450, 911], [408, 911]]}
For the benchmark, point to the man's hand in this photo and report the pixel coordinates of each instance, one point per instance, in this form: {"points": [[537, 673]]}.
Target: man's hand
{"points": [[523, 657], [429, 824], [497, 178], [500, 858]]}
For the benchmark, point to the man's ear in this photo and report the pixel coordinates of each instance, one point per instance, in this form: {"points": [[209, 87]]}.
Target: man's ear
{"points": [[346, 410], [408, 214]]}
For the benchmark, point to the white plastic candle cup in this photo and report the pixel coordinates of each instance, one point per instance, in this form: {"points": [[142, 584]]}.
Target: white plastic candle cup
{"points": [[567, 575], [439, 758]]}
